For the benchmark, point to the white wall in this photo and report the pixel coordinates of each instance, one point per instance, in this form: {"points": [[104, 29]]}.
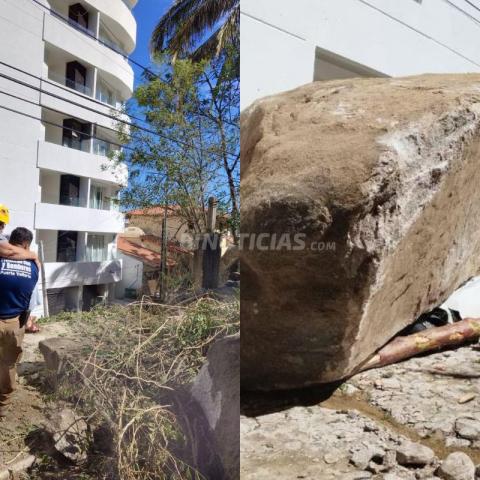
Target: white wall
{"points": [[132, 275], [49, 239], [21, 45], [394, 38], [62, 217]]}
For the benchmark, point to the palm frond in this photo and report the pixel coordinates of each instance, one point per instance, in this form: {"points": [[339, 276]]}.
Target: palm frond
{"points": [[183, 27], [226, 35]]}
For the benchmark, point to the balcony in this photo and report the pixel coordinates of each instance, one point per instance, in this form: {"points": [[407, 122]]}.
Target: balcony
{"points": [[63, 275], [61, 36], [67, 82], [118, 17], [83, 164], [50, 216]]}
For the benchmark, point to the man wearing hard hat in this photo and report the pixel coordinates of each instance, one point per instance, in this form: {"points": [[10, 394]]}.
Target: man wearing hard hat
{"points": [[8, 250]]}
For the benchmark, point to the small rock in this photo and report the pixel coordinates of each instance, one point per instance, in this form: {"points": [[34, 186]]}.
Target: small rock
{"points": [[349, 389], [410, 453], [361, 458], [70, 434], [467, 397], [457, 442], [391, 384], [391, 476], [370, 427], [357, 476], [468, 428], [332, 457], [457, 466], [390, 459]]}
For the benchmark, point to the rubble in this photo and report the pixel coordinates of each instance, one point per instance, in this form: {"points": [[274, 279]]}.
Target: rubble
{"points": [[367, 190], [407, 415], [457, 466], [70, 434], [410, 453]]}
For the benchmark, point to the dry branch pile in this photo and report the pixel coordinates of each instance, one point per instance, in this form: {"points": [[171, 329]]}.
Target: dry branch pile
{"points": [[137, 357]]}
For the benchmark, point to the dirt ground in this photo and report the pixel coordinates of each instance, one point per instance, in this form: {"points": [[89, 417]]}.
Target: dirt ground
{"points": [[29, 403]]}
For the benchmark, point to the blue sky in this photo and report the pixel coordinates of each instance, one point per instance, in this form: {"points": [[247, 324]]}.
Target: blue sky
{"points": [[147, 14]]}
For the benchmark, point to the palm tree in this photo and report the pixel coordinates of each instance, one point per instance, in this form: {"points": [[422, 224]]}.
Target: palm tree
{"points": [[185, 29]]}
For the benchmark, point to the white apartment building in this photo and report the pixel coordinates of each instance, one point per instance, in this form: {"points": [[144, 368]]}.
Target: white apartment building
{"points": [[56, 172], [287, 43]]}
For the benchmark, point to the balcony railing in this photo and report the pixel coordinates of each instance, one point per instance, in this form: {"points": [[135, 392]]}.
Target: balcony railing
{"points": [[69, 83], [103, 148], [77, 26], [113, 45], [96, 146], [70, 201], [89, 32]]}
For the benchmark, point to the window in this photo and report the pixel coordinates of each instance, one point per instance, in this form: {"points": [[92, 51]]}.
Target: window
{"points": [[105, 94], [76, 77], [98, 198], [76, 134], [96, 249], [70, 190], [67, 246], [78, 14]]}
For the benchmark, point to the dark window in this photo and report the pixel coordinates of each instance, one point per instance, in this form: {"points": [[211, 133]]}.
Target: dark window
{"points": [[76, 134], [67, 246], [76, 77], [69, 190], [79, 15]]}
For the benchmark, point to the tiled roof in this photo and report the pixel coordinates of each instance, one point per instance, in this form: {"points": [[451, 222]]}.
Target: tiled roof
{"points": [[152, 211], [172, 247], [146, 255]]}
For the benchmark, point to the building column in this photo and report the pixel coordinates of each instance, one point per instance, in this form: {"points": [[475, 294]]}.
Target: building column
{"points": [[81, 246]]}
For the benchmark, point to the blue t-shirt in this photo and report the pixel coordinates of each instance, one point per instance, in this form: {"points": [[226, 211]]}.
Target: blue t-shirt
{"points": [[17, 281]]}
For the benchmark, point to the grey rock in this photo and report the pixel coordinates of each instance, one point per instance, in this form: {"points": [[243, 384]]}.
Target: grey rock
{"points": [[410, 453], [217, 390], [457, 442], [332, 457], [58, 352], [363, 475], [457, 466], [468, 428], [361, 458], [70, 434]]}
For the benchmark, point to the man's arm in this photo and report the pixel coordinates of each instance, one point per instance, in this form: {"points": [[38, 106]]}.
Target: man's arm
{"points": [[7, 250]]}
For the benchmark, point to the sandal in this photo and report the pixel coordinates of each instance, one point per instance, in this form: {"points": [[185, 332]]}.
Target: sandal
{"points": [[33, 328]]}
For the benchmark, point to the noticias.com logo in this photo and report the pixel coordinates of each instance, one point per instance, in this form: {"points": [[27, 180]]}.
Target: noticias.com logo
{"points": [[264, 242]]}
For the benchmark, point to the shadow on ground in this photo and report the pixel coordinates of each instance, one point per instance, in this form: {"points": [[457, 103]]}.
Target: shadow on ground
{"points": [[253, 404]]}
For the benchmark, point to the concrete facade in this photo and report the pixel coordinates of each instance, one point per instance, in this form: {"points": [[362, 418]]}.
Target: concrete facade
{"points": [[55, 155], [298, 42]]}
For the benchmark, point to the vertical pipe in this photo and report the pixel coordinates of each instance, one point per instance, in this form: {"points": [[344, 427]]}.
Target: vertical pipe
{"points": [[46, 312]]}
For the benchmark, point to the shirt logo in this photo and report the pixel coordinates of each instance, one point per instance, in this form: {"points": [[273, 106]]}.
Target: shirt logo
{"points": [[16, 268]]}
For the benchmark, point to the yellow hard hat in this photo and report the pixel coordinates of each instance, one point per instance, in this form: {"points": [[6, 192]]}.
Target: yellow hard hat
{"points": [[4, 214]]}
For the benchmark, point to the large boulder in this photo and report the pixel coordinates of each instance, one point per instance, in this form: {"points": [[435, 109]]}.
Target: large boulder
{"points": [[381, 179]]}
